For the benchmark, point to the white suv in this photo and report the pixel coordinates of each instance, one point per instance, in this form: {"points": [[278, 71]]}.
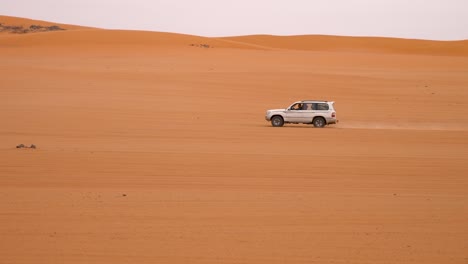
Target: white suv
{"points": [[316, 112]]}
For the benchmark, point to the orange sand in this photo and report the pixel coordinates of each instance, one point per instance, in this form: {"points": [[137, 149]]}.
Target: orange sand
{"points": [[151, 150]]}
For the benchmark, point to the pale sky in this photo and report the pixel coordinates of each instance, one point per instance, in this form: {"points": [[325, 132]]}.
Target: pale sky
{"points": [[421, 19]]}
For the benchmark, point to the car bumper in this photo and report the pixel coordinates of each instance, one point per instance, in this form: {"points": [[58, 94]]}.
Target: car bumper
{"points": [[331, 121]]}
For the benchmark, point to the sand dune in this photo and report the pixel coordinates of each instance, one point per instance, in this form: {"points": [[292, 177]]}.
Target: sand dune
{"points": [[87, 36], [154, 150], [18, 21], [77, 39], [357, 44]]}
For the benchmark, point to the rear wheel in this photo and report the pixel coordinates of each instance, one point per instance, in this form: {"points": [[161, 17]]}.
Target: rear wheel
{"points": [[319, 122], [277, 121]]}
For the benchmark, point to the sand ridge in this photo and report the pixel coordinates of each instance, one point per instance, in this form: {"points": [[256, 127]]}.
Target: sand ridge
{"points": [[87, 36], [358, 44], [19, 21]]}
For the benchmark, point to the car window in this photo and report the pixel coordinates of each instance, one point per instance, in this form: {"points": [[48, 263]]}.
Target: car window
{"points": [[320, 106], [297, 106], [307, 107]]}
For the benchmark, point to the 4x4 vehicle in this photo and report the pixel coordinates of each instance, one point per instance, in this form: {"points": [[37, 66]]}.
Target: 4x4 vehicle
{"points": [[317, 112]]}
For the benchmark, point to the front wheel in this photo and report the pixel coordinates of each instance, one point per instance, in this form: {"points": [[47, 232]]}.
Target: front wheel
{"points": [[277, 121], [319, 122]]}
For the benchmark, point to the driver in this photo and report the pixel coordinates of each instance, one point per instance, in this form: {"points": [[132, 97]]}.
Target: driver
{"points": [[297, 107]]}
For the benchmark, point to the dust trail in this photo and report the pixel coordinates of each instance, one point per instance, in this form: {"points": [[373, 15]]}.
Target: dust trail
{"points": [[403, 126]]}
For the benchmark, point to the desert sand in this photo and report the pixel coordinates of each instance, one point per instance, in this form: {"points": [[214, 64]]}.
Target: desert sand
{"points": [[153, 148]]}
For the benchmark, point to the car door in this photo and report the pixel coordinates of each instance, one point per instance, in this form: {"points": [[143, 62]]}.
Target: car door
{"points": [[307, 113], [293, 113]]}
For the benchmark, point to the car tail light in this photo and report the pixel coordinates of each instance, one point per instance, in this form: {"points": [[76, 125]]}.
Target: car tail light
{"points": [[333, 114]]}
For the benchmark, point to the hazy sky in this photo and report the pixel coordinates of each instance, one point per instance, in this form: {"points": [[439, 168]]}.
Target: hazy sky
{"points": [[425, 19]]}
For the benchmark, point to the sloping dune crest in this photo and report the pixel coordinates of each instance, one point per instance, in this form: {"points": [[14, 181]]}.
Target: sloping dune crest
{"points": [[17, 21], [356, 44], [76, 36], [101, 37]]}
